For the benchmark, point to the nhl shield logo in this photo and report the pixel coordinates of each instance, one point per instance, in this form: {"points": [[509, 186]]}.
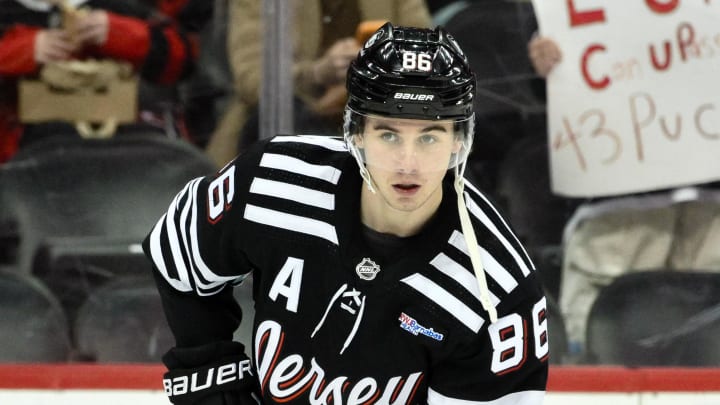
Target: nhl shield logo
{"points": [[367, 269]]}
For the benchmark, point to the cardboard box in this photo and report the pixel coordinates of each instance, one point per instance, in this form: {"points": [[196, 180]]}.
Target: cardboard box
{"points": [[38, 102]]}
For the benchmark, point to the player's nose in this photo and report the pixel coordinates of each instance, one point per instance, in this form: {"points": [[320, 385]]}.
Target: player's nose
{"points": [[406, 159]]}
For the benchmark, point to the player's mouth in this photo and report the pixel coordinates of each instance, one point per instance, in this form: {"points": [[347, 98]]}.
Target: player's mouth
{"points": [[406, 189]]}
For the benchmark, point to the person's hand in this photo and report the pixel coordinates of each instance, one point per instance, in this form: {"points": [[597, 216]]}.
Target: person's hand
{"points": [[332, 102], [91, 28], [53, 45], [544, 54], [332, 67]]}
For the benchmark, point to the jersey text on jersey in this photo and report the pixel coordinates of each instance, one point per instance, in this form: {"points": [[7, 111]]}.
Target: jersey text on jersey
{"points": [[286, 377]]}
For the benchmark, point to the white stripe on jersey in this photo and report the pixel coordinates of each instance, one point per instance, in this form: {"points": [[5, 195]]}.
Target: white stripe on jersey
{"points": [[500, 217], [319, 140], [479, 214], [492, 267], [293, 192], [447, 301], [175, 246], [457, 272], [513, 398], [291, 222], [167, 221], [294, 165], [214, 280], [156, 253]]}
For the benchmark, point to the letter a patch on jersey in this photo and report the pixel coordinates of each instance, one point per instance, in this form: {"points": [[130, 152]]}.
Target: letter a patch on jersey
{"points": [[287, 283]]}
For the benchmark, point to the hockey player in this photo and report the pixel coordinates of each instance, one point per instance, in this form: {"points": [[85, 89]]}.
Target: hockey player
{"points": [[379, 274]]}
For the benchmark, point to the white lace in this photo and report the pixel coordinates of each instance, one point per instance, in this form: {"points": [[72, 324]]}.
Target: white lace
{"points": [[471, 241], [358, 316], [364, 172]]}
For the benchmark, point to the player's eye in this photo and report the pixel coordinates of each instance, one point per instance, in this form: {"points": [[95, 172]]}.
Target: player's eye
{"points": [[427, 139], [390, 137]]}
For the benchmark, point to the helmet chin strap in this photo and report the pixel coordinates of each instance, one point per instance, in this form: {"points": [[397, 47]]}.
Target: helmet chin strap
{"points": [[364, 173], [471, 242]]}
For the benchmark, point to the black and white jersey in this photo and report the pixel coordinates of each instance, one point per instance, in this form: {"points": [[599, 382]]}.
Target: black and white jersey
{"points": [[336, 322]]}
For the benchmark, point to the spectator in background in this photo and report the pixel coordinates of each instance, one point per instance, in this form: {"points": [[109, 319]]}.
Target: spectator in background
{"points": [[324, 44], [510, 96], [158, 38], [544, 54], [669, 229]]}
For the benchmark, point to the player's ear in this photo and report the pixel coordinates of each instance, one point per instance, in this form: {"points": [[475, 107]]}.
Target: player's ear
{"points": [[457, 144], [359, 140]]}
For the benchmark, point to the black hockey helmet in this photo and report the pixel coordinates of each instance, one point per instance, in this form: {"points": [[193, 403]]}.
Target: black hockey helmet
{"points": [[411, 73]]}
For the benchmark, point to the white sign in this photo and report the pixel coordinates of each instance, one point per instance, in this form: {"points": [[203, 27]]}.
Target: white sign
{"points": [[634, 105]]}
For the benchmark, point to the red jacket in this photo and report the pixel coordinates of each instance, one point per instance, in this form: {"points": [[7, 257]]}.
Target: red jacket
{"points": [[161, 43]]}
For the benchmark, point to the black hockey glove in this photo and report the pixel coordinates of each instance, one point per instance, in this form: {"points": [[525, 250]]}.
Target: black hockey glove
{"points": [[214, 374]]}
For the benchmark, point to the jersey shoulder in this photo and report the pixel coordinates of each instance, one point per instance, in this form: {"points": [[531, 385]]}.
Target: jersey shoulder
{"points": [[451, 284], [289, 187]]}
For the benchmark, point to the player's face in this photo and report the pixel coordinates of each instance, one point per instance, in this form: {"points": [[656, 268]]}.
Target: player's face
{"points": [[407, 159]]}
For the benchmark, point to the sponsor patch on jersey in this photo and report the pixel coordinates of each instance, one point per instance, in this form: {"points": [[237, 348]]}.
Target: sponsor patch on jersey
{"points": [[410, 324], [367, 269]]}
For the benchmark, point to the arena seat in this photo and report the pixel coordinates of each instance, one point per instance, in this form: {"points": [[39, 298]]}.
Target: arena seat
{"points": [[123, 321], [657, 318], [34, 327], [73, 212]]}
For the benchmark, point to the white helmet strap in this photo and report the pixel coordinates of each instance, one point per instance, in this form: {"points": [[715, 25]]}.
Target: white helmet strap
{"points": [[472, 244]]}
